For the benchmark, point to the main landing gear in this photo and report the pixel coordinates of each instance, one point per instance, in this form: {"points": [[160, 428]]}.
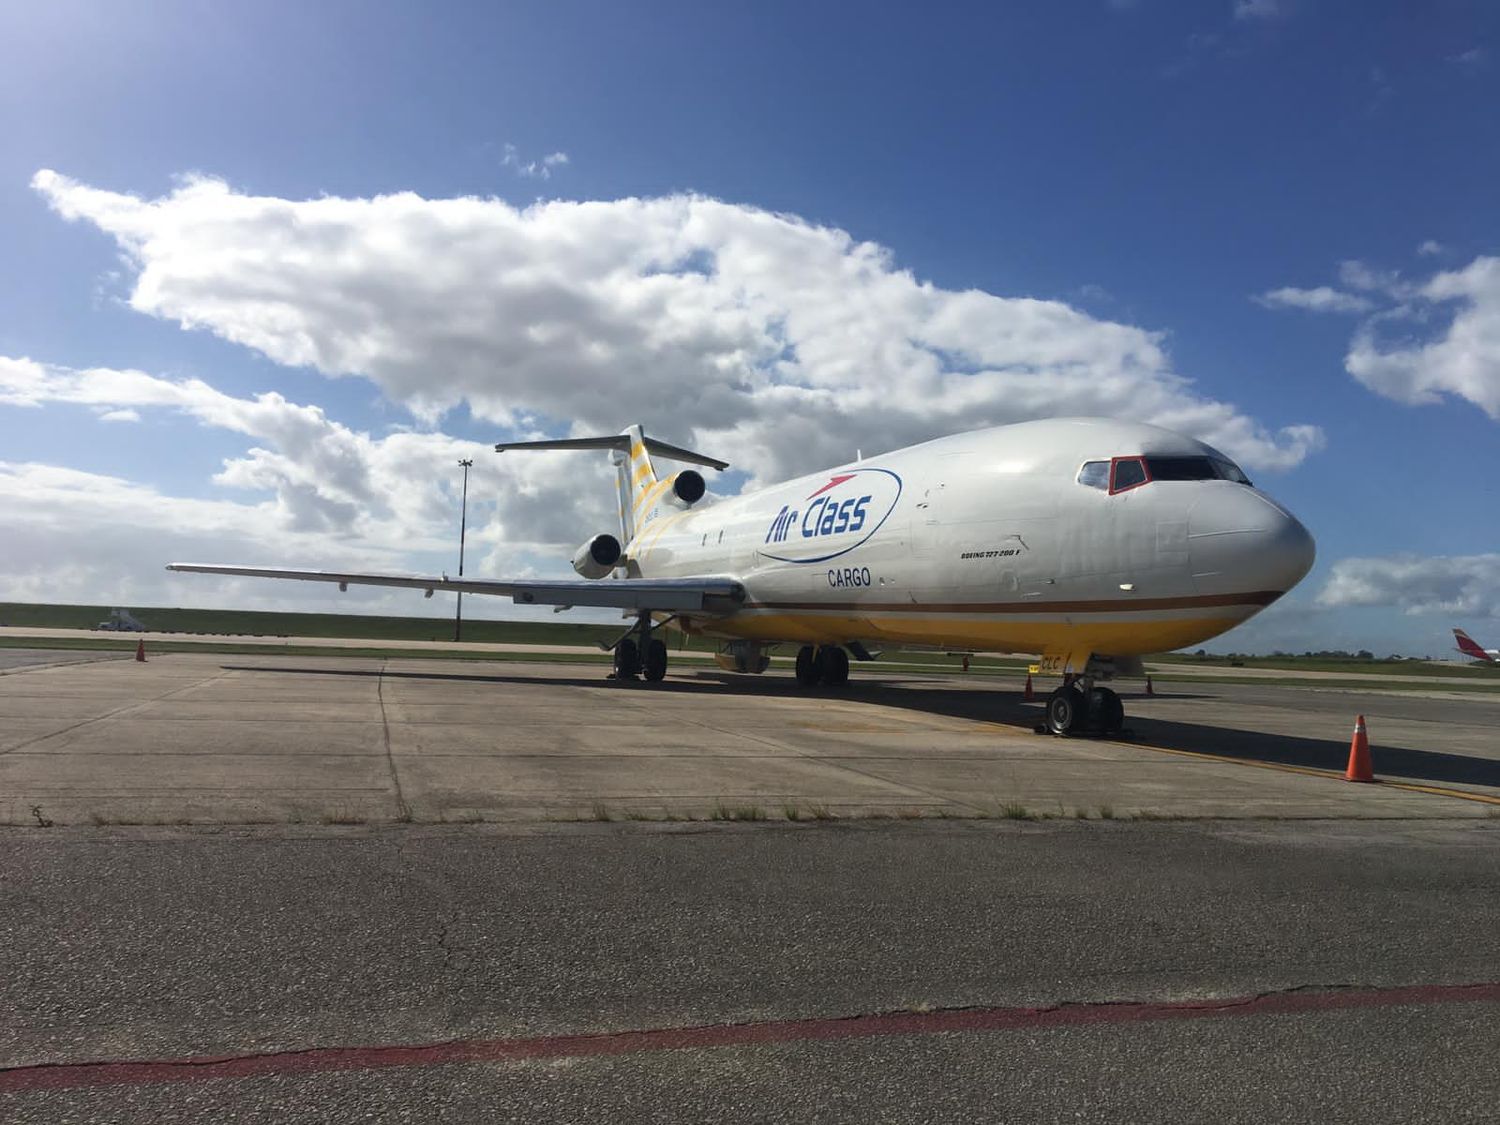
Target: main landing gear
{"points": [[1080, 708], [826, 664], [638, 653]]}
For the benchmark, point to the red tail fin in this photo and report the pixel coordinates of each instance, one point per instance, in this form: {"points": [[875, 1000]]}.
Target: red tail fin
{"points": [[1467, 646]]}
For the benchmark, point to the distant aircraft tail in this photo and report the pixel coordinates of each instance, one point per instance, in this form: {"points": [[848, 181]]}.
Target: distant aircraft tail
{"points": [[1467, 646], [637, 480]]}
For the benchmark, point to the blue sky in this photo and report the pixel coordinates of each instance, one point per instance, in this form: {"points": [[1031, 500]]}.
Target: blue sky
{"points": [[1161, 166]]}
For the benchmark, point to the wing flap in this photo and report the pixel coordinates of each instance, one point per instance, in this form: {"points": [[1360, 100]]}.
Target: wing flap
{"points": [[699, 595]]}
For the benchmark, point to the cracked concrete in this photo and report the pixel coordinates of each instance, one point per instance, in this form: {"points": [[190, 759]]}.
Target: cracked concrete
{"points": [[235, 739]]}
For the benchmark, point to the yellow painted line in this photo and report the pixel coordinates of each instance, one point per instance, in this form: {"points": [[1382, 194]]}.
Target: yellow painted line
{"points": [[649, 494], [1308, 771], [1441, 791], [645, 548]]}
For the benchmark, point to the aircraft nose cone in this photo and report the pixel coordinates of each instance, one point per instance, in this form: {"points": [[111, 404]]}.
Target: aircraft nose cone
{"points": [[1243, 541], [1288, 553]]}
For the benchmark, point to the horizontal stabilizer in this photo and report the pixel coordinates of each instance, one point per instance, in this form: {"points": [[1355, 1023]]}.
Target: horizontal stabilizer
{"points": [[696, 595], [622, 442]]}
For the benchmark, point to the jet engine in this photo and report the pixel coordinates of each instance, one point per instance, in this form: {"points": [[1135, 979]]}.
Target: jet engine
{"points": [[597, 557], [687, 489]]}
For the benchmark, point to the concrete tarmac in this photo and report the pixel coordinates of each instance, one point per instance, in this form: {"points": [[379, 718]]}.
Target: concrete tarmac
{"points": [[211, 739], [864, 972], [318, 946]]}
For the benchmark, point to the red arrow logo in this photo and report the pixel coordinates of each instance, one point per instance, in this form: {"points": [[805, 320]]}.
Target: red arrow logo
{"points": [[834, 483]]}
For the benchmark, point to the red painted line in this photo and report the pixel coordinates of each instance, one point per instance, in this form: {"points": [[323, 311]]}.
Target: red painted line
{"points": [[317, 1060]]}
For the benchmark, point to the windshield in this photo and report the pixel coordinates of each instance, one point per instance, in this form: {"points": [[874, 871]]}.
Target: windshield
{"points": [[1194, 468]]}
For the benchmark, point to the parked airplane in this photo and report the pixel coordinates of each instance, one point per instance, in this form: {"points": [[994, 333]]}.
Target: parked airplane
{"points": [[1088, 541], [1467, 646]]}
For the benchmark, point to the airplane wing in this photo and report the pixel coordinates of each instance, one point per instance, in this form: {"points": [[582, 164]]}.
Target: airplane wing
{"points": [[696, 595]]}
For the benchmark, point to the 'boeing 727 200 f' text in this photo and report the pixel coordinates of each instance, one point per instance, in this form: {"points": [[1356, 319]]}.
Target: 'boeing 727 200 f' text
{"points": [[1086, 540]]}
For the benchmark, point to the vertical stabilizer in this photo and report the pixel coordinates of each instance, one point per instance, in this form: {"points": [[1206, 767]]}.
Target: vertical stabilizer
{"points": [[1470, 648], [636, 478]]}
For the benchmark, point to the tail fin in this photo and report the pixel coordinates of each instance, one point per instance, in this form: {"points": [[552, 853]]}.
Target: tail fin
{"points": [[630, 452], [636, 477], [1467, 646]]}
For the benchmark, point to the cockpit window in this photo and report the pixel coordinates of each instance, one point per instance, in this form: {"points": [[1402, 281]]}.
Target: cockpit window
{"points": [[1122, 473], [1194, 468], [1129, 472], [1095, 474], [1228, 470], [1181, 468]]}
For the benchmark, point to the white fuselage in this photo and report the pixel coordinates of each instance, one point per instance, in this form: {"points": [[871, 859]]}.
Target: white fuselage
{"points": [[988, 540]]}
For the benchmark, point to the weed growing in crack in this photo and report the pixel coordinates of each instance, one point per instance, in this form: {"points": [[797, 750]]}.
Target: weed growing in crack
{"points": [[721, 811]]}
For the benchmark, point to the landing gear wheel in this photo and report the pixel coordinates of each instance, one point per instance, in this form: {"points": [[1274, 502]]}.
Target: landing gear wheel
{"points": [[809, 667], [1067, 710], [1106, 712], [833, 661], [627, 660], [655, 662]]}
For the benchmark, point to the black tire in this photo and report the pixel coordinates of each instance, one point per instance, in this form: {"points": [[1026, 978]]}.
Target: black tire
{"points": [[655, 663], [627, 660], [1067, 710], [809, 668], [1106, 711], [834, 663]]}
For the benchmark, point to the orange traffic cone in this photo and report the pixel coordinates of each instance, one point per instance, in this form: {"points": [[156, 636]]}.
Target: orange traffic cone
{"points": [[1150, 690], [1359, 754], [1029, 695], [140, 650]]}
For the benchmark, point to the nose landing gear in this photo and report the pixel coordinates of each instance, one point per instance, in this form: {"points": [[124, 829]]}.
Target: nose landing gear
{"points": [[1075, 709]]}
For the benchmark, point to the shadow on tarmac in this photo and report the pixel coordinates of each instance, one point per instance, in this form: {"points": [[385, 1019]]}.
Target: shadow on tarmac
{"points": [[924, 694]]}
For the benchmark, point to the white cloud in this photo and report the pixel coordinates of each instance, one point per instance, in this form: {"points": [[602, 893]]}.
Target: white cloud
{"points": [[1256, 9], [760, 337], [1396, 353], [532, 169], [1322, 299], [1358, 275], [309, 492], [1456, 584], [1430, 248], [119, 416], [1463, 359]]}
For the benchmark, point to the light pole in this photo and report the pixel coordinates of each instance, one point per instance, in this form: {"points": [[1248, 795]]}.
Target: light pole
{"points": [[463, 522]]}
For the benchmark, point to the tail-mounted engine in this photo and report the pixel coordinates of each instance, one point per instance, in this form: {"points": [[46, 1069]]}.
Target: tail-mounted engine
{"points": [[687, 489], [597, 557]]}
